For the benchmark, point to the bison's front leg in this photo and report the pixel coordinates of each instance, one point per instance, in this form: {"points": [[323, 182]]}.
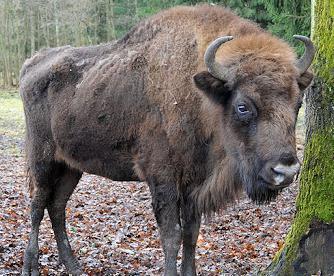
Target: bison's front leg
{"points": [[166, 208], [190, 230]]}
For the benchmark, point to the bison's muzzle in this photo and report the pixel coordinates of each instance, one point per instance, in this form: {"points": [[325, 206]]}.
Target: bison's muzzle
{"points": [[278, 175]]}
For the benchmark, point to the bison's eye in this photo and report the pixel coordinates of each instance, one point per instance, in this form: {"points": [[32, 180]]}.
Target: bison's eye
{"points": [[244, 112], [242, 109]]}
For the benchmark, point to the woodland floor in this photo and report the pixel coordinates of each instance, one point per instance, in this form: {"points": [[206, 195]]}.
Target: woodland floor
{"points": [[112, 228]]}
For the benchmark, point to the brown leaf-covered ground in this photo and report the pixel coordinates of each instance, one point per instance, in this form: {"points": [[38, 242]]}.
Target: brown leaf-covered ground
{"points": [[113, 231]]}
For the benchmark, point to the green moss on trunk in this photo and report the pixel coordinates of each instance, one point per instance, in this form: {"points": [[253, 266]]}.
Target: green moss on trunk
{"points": [[315, 201], [316, 197], [323, 37]]}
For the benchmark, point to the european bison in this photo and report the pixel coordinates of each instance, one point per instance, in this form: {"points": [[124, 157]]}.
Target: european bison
{"points": [[145, 108]]}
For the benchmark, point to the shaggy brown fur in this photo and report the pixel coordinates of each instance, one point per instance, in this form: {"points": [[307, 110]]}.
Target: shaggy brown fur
{"points": [[129, 110]]}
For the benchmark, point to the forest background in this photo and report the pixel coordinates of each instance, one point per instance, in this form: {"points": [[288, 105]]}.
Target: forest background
{"points": [[254, 235], [29, 25]]}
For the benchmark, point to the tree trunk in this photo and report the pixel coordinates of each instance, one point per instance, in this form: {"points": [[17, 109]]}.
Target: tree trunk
{"points": [[32, 29], [111, 33], [56, 21], [7, 48], [309, 246]]}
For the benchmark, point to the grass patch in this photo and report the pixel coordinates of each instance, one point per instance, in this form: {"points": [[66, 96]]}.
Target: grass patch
{"points": [[12, 126]]}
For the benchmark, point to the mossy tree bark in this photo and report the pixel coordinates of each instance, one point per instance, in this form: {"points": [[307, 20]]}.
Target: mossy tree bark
{"points": [[309, 246]]}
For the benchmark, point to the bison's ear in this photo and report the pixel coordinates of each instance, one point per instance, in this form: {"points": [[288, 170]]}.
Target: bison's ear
{"points": [[214, 88], [305, 80]]}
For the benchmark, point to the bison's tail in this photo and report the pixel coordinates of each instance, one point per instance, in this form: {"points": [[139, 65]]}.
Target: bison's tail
{"points": [[29, 181]]}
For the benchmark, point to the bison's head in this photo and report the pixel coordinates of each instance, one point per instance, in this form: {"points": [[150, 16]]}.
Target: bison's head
{"points": [[259, 86]]}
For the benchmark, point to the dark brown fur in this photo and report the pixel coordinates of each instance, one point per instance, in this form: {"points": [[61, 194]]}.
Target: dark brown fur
{"points": [[129, 110]]}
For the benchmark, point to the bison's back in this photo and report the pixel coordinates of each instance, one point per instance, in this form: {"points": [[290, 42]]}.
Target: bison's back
{"points": [[104, 108]]}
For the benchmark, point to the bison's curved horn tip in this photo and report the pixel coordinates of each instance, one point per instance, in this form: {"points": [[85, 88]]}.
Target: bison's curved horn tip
{"points": [[214, 68], [305, 61]]}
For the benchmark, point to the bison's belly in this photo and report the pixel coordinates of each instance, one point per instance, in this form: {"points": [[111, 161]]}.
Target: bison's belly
{"points": [[94, 142], [118, 168], [94, 158]]}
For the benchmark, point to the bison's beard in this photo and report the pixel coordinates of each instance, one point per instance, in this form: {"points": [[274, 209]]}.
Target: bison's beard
{"points": [[225, 182], [220, 188], [256, 189]]}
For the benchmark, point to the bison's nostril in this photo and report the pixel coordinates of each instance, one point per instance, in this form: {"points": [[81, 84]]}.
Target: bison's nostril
{"points": [[288, 159]]}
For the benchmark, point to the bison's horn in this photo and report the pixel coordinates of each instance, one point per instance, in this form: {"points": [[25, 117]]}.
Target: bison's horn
{"points": [[214, 68], [305, 61]]}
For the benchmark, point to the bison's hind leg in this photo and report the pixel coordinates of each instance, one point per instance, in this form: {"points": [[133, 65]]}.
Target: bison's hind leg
{"points": [[65, 185], [53, 184], [41, 181]]}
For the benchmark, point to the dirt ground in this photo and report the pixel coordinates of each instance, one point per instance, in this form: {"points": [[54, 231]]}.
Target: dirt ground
{"points": [[112, 228]]}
